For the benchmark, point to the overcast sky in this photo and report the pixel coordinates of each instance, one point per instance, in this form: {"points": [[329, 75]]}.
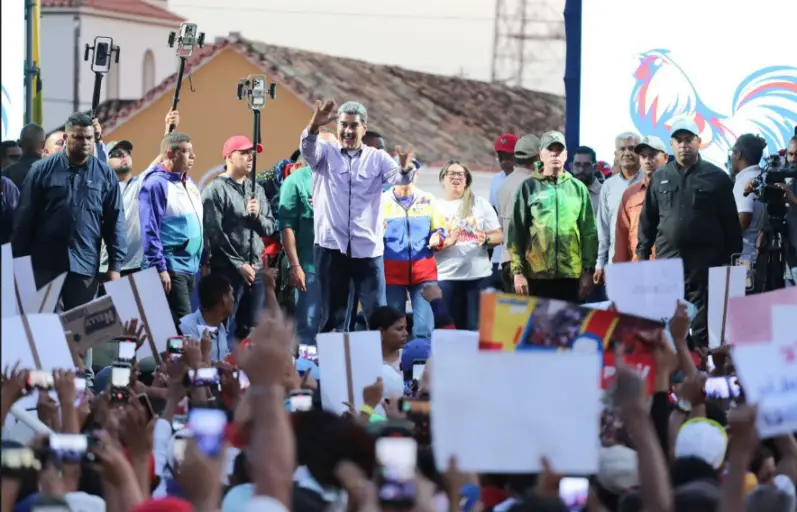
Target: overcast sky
{"points": [[436, 36]]}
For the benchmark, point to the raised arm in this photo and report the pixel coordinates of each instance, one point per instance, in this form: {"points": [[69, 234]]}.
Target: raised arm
{"points": [[401, 172], [312, 149]]}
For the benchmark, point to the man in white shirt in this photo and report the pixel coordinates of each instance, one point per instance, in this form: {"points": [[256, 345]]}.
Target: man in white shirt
{"points": [[527, 155], [505, 155], [745, 158]]}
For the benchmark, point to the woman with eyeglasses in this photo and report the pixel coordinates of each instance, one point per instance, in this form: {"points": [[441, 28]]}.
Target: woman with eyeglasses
{"points": [[471, 228]]}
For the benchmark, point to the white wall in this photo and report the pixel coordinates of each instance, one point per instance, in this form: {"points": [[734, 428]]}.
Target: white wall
{"points": [[134, 39]]}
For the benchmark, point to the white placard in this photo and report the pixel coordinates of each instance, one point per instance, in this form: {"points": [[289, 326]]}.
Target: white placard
{"points": [[648, 289], [9, 296], [154, 312], [363, 368], [501, 412], [467, 341], [44, 300], [732, 281]]}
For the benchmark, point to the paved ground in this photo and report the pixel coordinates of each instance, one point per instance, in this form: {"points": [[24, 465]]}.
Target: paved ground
{"points": [[427, 181]]}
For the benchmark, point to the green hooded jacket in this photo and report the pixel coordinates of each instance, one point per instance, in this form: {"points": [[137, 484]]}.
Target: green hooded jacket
{"points": [[552, 233]]}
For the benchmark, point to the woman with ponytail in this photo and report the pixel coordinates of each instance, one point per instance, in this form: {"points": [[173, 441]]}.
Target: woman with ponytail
{"points": [[471, 228]]}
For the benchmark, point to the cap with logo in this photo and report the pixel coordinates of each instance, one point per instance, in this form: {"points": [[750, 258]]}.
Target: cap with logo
{"points": [[684, 124], [239, 143], [650, 141], [528, 146], [551, 138], [506, 143], [124, 145]]}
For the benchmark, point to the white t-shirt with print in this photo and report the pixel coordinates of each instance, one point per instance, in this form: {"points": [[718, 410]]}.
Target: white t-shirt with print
{"points": [[465, 260], [750, 205]]}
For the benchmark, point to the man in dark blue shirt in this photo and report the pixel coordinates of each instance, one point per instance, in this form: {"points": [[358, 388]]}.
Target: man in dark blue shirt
{"points": [[69, 203]]}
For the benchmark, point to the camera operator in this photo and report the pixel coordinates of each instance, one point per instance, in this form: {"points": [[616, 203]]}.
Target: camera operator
{"points": [[745, 158], [791, 193]]}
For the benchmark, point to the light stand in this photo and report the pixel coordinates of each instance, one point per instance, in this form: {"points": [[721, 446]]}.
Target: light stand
{"points": [[101, 52], [255, 89], [186, 41]]}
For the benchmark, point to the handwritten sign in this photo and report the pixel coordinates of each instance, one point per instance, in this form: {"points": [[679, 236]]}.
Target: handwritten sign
{"points": [[648, 289], [765, 357], [92, 324]]}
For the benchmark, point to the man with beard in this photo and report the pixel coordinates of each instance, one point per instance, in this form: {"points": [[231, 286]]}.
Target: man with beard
{"points": [[347, 196], [170, 212], [237, 215], [69, 204], [690, 213], [652, 155], [585, 168]]}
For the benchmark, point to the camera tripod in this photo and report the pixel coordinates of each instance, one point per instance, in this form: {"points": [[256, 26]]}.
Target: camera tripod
{"points": [[774, 258]]}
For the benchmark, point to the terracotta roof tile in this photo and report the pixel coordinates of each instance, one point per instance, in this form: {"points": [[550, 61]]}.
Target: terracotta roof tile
{"points": [[129, 7], [443, 117], [106, 111]]}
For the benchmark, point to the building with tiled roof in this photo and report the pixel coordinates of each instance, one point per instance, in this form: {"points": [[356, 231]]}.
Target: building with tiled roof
{"points": [[140, 28], [443, 117]]}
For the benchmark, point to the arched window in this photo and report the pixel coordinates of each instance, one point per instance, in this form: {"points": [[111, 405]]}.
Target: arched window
{"points": [[148, 72], [112, 85]]}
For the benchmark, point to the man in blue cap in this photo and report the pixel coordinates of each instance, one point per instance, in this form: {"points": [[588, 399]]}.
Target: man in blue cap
{"points": [[690, 213]]}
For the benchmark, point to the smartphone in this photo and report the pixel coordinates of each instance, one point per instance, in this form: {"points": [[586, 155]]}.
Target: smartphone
{"points": [[143, 399], [418, 366], [734, 386], [20, 459], [174, 345], [204, 377], [120, 382], [309, 352], [300, 400], [397, 458], [70, 447], [81, 384], [127, 351], [415, 406], [208, 427], [717, 388], [574, 493], [40, 379], [210, 330]]}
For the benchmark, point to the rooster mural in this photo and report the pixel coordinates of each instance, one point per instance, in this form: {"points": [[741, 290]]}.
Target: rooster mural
{"points": [[765, 103]]}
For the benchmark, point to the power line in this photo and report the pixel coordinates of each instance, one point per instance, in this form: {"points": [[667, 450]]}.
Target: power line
{"points": [[417, 17]]}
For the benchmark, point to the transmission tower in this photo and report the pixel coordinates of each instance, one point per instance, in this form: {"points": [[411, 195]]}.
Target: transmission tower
{"points": [[529, 44]]}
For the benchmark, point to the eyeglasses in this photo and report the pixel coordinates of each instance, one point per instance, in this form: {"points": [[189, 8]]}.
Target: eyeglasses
{"points": [[451, 174]]}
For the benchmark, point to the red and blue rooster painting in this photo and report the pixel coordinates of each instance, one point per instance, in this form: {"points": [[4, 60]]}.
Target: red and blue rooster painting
{"points": [[764, 103]]}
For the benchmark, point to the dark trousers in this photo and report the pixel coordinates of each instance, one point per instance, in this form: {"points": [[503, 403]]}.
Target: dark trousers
{"points": [[341, 278], [250, 301], [560, 289], [179, 297], [77, 290], [696, 292], [462, 301]]}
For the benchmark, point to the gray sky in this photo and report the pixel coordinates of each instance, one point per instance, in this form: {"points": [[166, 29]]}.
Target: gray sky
{"points": [[437, 36]]}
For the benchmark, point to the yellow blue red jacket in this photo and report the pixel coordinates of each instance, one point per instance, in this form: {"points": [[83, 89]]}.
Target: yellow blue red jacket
{"points": [[408, 258]]}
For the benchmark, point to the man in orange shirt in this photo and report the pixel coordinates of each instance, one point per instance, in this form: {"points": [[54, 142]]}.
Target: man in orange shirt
{"points": [[652, 155]]}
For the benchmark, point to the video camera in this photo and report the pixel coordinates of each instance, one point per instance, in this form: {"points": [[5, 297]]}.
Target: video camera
{"points": [[765, 189]]}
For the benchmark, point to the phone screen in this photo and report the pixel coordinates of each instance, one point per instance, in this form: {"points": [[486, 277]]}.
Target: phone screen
{"points": [[208, 427], [68, 447], [204, 377], [303, 402], [80, 384], [574, 493], [243, 380], [717, 388], [174, 345], [127, 351], [397, 458], [417, 371], [120, 377], [308, 352], [40, 379]]}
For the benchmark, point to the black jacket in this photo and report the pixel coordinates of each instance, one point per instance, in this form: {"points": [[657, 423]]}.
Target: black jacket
{"points": [[17, 172], [690, 214]]}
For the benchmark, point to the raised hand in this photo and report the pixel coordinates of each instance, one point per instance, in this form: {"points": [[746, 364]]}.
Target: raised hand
{"points": [[324, 114], [406, 158]]}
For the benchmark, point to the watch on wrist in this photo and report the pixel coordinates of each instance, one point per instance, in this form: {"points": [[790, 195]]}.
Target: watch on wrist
{"points": [[684, 405]]}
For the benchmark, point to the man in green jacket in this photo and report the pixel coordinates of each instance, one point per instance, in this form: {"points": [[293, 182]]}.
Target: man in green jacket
{"points": [[552, 239]]}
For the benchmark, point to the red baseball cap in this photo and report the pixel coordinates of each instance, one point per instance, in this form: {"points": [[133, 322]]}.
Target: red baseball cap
{"points": [[506, 143], [239, 143]]}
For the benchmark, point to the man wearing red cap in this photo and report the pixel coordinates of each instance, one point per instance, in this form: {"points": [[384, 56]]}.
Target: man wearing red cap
{"points": [[237, 215], [505, 154]]}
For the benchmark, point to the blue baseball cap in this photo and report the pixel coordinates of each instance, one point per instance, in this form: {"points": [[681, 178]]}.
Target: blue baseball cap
{"points": [[419, 348], [303, 365], [684, 123]]}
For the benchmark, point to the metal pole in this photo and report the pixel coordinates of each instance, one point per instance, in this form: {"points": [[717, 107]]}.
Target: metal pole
{"points": [[29, 67], [95, 100], [177, 87], [256, 141]]}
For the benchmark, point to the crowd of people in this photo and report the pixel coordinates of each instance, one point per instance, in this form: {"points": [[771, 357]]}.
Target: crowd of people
{"points": [[340, 238]]}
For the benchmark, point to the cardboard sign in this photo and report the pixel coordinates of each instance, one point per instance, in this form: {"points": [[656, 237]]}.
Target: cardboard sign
{"points": [[512, 322], [10, 306], [765, 356], [141, 296], [482, 410], [723, 283], [647, 289], [92, 324], [31, 300], [348, 363]]}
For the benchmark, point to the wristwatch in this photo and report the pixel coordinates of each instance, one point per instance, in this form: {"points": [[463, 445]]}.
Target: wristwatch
{"points": [[684, 406]]}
